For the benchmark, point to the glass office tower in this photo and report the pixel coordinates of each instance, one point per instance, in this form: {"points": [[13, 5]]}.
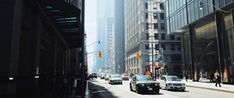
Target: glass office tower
{"points": [[208, 44]]}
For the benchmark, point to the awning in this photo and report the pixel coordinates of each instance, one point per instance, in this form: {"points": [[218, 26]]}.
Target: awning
{"points": [[66, 18]]}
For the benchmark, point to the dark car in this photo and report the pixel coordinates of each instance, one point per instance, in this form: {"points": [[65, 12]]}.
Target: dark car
{"points": [[143, 83], [94, 75]]}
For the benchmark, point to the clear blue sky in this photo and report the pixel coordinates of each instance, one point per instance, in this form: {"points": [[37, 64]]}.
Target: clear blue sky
{"points": [[90, 27]]}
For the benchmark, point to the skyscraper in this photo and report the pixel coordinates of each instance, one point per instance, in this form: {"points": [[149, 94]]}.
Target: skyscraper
{"points": [[105, 30], [146, 34], [119, 54]]}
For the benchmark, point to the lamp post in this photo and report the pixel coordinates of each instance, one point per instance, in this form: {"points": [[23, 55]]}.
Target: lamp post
{"points": [[152, 53], [91, 44]]}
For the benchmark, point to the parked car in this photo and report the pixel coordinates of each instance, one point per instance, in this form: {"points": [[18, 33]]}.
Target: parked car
{"points": [[115, 79], [143, 83], [125, 77], [170, 82]]}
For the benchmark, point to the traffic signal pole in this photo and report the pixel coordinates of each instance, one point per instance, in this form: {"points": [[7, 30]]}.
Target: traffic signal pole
{"points": [[152, 47]]}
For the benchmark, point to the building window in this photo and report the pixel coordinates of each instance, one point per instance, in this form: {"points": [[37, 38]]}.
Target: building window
{"points": [[178, 38], [146, 5], [156, 47], [163, 36], [155, 35], [146, 15], [161, 6], [172, 37], [163, 47], [147, 47], [155, 15], [179, 47], [147, 26], [162, 16], [172, 47], [163, 26], [155, 25], [147, 36], [155, 6]]}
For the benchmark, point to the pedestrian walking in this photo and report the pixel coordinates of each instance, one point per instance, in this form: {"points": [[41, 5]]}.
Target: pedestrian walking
{"points": [[217, 78], [211, 76], [186, 77]]}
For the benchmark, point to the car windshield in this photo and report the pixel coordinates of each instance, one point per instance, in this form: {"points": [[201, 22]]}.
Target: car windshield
{"points": [[144, 78], [173, 78], [115, 76]]}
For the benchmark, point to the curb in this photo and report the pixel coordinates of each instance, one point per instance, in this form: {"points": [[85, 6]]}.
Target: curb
{"points": [[228, 91]]}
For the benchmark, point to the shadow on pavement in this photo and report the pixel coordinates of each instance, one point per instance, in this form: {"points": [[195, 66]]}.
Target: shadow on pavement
{"points": [[152, 94], [96, 91], [178, 91]]}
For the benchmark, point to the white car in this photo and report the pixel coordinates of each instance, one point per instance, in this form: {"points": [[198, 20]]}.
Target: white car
{"points": [[115, 79], [125, 77], [170, 82]]}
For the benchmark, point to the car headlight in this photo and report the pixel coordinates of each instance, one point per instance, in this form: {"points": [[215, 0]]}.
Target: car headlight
{"points": [[142, 84], [156, 84]]}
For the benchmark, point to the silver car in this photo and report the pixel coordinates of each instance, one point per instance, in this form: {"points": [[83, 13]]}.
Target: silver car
{"points": [[115, 79], [170, 82]]}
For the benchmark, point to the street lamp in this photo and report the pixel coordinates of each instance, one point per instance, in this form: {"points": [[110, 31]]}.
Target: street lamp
{"points": [[201, 5]]}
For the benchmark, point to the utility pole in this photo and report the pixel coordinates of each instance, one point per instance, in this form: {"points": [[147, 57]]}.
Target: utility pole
{"points": [[152, 58]]}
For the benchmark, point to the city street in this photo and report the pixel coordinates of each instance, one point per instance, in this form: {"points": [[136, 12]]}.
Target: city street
{"points": [[101, 89]]}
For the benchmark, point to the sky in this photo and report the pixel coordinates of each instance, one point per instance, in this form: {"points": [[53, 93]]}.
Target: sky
{"points": [[90, 28]]}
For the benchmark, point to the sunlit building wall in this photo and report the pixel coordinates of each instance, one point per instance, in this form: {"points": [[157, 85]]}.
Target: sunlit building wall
{"points": [[146, 34]]}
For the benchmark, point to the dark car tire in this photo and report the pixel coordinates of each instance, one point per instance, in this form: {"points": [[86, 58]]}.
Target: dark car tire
{"points": [[138, 90], [157, 91], [183, 90], [166, 87], [130, 86]]}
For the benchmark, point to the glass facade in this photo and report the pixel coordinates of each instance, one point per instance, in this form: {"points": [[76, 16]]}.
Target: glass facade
{"points": [[230, 42], [205, 50], [207, 44]]}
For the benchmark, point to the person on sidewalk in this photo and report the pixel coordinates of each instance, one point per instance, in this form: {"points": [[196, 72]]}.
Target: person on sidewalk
{"points": [[186, 77], [211, 76], [218, 78]]}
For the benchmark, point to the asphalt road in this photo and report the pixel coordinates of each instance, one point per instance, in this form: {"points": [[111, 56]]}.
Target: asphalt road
{"points": [[101, 89]]}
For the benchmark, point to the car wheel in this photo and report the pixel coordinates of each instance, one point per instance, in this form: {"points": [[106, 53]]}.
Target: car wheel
{"points": [[138, 90], [157, 91], [130, 87], [166, 88], [183, 90]]}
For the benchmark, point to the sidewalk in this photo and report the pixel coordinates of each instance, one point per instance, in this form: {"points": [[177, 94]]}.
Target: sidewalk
{"points": [[207, 85]]}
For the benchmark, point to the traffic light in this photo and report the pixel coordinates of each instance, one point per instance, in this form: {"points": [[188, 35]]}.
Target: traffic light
{"points": [[137, 55], [100, 54]]}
